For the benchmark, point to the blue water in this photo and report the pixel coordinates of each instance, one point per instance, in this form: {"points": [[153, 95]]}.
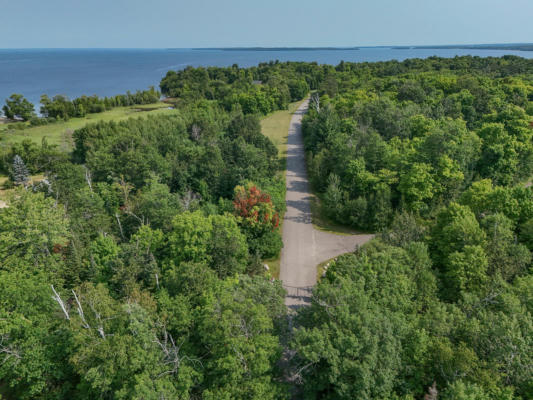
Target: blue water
{"points": [[106, 72]]}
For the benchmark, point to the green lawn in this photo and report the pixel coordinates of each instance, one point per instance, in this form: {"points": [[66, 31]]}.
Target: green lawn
{"points": [[274, 266], [60, 133], [3, 190]]}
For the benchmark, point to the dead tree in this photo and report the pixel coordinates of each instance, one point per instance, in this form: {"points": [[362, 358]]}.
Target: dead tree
{"points": [[432, 394], [196, 132], [8, 350], [315, 101], [61, 303]]}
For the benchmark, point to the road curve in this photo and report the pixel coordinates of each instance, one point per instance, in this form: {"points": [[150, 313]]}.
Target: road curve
{"points": [[304, 247]]}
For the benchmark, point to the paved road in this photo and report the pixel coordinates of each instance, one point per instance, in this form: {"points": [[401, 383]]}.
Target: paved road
{"points": [[304, 247]]}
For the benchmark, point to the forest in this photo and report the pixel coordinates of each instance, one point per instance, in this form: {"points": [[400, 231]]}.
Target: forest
{"points": [[134, 269]]}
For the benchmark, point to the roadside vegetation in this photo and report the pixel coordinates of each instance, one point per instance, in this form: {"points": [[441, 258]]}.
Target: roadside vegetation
{"points": [[134, 268], [276, 127]]}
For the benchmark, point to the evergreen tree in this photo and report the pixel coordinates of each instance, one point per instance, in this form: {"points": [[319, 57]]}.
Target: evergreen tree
{"points": [[20, 173]]}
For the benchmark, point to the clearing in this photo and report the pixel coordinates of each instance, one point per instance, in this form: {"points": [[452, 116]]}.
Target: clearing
{"points": [[60, 132]]}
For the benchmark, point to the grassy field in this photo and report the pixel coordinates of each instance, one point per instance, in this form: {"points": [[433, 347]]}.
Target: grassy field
{"points": [[60, 133], [276, 127]]}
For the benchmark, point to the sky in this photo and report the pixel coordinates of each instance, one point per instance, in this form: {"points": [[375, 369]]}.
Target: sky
{"points": [[234, 23]]}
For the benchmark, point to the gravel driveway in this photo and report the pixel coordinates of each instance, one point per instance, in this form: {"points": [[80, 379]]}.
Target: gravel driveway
{"points": [[304, 247]]}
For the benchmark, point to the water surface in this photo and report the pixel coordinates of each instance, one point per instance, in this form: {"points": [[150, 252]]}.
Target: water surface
{"points": [[107, 72]]}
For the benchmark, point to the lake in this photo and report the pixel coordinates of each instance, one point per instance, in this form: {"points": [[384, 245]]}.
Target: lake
{"points": [[107, 72]]}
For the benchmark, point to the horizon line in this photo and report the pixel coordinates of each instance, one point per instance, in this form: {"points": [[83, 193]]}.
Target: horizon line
{"points": [[340, 47]]}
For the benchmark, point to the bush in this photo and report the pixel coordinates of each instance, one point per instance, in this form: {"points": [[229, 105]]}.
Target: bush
{"points": [[268, 245], [36, 121]]}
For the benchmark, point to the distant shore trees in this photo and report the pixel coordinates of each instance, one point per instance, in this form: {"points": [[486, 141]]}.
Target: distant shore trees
{"points": [[18, 107], [61, 107]]}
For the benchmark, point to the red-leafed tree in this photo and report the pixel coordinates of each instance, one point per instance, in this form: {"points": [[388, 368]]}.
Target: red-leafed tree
{"points": [[258, 219], [255, 209]]}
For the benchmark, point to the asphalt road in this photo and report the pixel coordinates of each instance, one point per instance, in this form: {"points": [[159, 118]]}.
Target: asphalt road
{"points": [[304, 247]]}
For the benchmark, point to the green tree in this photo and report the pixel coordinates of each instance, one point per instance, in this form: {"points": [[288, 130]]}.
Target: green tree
{"points": [[18, 107], [460, 390], [33, 230], [456, 227], [120, 352], [215, 240], [417, 185], [238, 332], [31, 340], [506, 257], [466, 271], [227, 247], [499, 159], [189, 237]]}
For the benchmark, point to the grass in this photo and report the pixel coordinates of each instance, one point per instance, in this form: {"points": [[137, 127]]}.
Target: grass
{"points": [[321, 268], [276, 127], [5, 191], [274, 266], [60, 133]]}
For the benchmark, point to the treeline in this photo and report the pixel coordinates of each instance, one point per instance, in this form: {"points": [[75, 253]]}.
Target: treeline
{"points": [[256, 90], [60, 107]]}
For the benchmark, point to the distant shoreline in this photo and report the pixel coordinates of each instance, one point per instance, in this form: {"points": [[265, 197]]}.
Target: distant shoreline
{"points": [[276, 48], [517, 47], [504, 46]]}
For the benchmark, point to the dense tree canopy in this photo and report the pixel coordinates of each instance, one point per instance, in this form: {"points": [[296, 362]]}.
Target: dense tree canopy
{"points": [[437, 155], [134, 269]]}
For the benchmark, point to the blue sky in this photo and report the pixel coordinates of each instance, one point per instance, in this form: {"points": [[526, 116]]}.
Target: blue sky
{"points": [[214, 23]]}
